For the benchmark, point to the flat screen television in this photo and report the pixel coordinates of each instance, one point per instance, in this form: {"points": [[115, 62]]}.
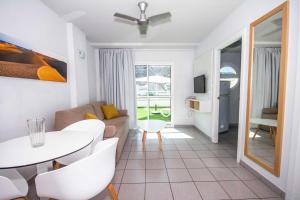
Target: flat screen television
{"points": [[199, 84]]}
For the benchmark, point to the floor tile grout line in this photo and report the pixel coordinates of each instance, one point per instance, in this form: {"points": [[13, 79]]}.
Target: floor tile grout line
{"points": [[168, 175], [218, 182], [231, 169], [226, 166], [209, 168], [124, 168], [180, 182], [145, 190], [192, 178], [255, 192]]}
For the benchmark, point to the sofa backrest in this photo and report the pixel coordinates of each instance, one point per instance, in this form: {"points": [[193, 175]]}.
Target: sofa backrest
{"points": [[64, 118], [97, 109]]}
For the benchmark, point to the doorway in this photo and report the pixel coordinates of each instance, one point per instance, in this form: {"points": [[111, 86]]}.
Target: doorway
{"points": [[229, 94], [153, 92]]}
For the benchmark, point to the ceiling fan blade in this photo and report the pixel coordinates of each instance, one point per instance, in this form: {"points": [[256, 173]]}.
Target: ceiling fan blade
{"points": [[143, 29], [159, 17], [127, 17]]}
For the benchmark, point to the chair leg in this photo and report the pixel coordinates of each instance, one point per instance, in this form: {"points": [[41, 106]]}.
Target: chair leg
{"points": [[112, 191], [270, 132], [144, 139], [144, 136], [274, 134], [256, 131], [56, 165], [159, 140]]}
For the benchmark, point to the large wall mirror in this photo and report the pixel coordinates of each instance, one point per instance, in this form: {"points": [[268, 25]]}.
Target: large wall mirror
{"points": [[266, 89]]}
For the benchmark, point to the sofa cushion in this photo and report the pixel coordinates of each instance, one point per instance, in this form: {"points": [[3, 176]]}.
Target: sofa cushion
{"points": [[90, 116], [97, 109], [66, 117], [110, 111]]}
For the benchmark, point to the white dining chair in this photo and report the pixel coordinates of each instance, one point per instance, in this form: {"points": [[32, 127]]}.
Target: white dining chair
{"points": [[91, 126], [82, 179], [12, 185]]}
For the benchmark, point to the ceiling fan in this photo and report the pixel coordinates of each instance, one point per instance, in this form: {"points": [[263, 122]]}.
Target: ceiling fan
{"points": [[143, 21]]}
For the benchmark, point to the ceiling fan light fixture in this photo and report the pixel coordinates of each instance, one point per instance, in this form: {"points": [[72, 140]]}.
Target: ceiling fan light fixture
{"points": [[143, 21]]}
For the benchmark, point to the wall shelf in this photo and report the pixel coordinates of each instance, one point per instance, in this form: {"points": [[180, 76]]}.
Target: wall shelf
{"points": [[198, 105]]}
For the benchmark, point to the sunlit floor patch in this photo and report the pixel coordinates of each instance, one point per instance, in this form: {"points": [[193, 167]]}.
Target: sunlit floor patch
{"points": [[251, 135], [176, 136], [170, 130]]}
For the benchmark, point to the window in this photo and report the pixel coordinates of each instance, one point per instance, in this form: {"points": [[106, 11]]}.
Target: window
{"points": [[228, 73], [153, 92]]}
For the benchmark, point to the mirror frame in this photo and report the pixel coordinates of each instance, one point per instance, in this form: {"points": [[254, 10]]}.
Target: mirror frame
{"points": [[281, 90]]}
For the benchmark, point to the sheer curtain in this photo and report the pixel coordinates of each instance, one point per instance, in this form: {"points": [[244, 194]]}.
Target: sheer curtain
{"points": [[117, 80], [265, 79]]}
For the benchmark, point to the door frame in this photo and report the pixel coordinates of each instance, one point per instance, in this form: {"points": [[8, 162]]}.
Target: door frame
{"points": [[242, 35], [171, 124]]}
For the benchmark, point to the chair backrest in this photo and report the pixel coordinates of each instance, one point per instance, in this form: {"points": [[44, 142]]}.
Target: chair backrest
{"points": [[93, 126], [12, 184], [83, 179], [269, 113]]}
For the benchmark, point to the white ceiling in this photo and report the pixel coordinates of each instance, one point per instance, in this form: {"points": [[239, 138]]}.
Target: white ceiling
{"points": [[191, 20]]}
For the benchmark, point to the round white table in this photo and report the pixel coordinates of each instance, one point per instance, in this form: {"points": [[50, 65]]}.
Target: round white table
{"points": [[18, 152], [152, 126]]}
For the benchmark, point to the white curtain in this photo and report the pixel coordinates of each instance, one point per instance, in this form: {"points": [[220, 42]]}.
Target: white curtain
{"points": [[265, 79], [117, 80]]}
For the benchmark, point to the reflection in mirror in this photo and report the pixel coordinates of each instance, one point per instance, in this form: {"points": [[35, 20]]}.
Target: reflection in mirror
{"points": [[265, 106], [265, 81]]}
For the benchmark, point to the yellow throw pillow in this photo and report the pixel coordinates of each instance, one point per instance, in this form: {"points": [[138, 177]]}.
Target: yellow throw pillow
{"points": [[90, 116], [109, 111]]}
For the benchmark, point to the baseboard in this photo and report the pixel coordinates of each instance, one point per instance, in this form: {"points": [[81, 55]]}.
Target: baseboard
{"points": [[195, 127], [183, 126], [264, 180]]}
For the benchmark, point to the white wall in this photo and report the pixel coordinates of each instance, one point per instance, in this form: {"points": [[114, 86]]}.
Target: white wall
{"points": [[92, 83], [35, 27], [21, 99], [182, 62], [78, 62], [293, 181], [203, 64], [237, 22]]}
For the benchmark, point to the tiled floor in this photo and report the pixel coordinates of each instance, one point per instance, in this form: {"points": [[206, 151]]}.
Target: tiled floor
{"points": [[189, 167], [262, 146]]}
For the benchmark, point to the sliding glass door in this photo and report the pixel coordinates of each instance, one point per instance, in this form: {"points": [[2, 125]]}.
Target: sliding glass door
{"points": [[153, 92]]}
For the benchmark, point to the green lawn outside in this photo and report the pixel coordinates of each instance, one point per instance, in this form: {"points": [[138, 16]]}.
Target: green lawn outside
{"points": [[142, 114]]}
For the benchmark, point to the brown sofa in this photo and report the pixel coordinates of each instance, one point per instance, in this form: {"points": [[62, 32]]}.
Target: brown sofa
{"points": [[117, 127]]}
